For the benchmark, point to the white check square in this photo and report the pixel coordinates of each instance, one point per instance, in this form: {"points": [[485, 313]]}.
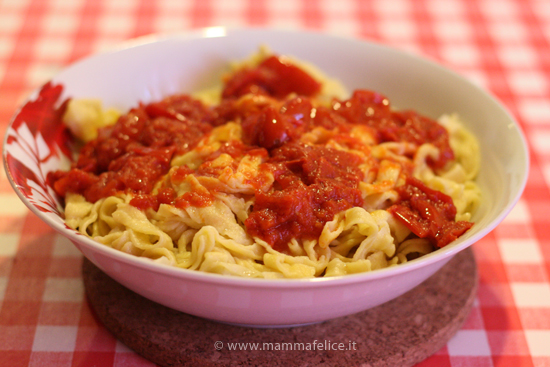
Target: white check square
{"points": [[445, 8], [469, 343], [395, 7], [63, 247], [520, 251], [3, 286], [54, 338], [538, 342], [63, 290], [531, 294], [519, 214], [508, 31], [12, 205], [403, 29], [453, 30], [461, 54], [53, 48], [535, 110], [540, 140], [517, 56], [8, 244], [528, 82]]}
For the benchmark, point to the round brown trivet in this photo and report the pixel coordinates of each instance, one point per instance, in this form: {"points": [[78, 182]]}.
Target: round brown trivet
{"points": [[401, 332]]}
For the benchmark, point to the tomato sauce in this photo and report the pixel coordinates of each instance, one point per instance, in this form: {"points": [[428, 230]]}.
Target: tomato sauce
{"points": [[312, 182], [374, 110], [133, 154], [273, 76], [428, 213]]}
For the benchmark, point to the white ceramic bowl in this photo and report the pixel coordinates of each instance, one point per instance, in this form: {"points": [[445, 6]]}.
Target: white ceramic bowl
{"points": [[149, 68]]}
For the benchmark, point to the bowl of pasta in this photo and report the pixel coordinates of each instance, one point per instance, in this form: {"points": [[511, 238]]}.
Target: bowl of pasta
{"points": [[265, 177]]}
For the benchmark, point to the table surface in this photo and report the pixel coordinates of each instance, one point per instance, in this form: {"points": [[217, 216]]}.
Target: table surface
{"points": [[501, 45]]}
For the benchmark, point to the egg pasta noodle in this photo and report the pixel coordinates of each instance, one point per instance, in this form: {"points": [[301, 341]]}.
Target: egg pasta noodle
{"points": [[231, 211]]}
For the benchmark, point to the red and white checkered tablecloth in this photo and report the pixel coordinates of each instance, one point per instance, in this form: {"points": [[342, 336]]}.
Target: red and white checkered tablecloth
{"points": [[502, 45]]}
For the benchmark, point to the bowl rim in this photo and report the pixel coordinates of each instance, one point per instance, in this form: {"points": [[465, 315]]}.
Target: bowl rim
{"points": [[198, 276]]}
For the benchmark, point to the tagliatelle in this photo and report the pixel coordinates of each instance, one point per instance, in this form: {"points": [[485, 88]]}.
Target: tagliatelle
{"points": [[277, 177]]}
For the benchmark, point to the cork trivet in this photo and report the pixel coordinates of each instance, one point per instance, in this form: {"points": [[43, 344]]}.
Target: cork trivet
{"points": [[401, 332]]}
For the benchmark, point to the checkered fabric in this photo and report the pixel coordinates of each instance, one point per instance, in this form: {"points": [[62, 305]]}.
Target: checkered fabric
{"points": [[501, 45]]}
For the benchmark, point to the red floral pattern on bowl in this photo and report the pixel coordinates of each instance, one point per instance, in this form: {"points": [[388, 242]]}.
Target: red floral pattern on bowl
{"points": [[36, 143]]}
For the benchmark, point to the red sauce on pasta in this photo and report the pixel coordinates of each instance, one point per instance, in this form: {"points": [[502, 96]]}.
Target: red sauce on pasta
{"points": [[428, 213], [275, 77], [312, 182], [373, 109], [133, 154]]}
